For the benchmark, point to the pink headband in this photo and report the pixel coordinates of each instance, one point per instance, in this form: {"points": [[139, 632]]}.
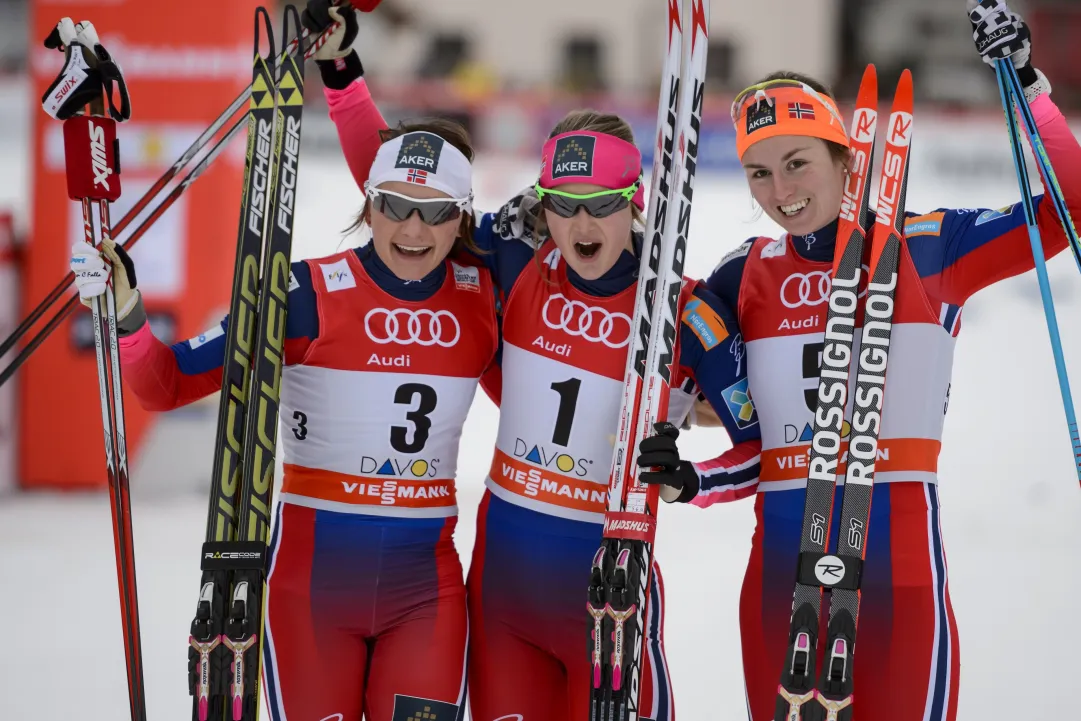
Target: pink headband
{"points": [[582, 156]]}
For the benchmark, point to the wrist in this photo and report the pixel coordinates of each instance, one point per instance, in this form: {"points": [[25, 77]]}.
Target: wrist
{"points": [[1034, 84], [338, 73], [134, 318]]}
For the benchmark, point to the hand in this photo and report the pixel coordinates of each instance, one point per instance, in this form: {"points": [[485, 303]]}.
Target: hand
{"points": [[517, 218], [660, 451], [93, 269], [999, 32], [322, 14]]}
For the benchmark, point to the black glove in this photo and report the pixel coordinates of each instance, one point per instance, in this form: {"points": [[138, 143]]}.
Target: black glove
{"points": [[660, 451], [338, 63], [1000, 33]]}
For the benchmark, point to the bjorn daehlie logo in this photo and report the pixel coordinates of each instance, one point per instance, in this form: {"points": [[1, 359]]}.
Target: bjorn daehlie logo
{"points": [[421, 152], [573, 156]]}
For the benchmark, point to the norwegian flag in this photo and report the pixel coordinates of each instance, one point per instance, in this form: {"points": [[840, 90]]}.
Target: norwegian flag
{"points": [[801, 111], [420, 177]]}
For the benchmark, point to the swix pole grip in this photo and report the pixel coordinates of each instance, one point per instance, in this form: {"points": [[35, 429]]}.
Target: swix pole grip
{"points": [[93, 158]]}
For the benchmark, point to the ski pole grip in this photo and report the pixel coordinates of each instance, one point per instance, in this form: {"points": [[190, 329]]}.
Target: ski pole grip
{"points": [[92, 152]]}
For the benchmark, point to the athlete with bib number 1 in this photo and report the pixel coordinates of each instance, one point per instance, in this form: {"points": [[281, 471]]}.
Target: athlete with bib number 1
{"points": [[795, 153], [564, 255], [384, 349]]}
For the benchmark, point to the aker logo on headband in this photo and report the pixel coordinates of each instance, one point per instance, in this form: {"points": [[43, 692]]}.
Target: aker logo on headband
{"points": [[761, 115], [573, 157], [420, 151]]}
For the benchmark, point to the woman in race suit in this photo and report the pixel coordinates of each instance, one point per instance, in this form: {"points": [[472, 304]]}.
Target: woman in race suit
{"points": [[385, 346], [564, 256], [907, 653]]}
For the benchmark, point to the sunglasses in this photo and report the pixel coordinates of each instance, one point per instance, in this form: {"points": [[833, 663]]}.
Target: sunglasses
{"points": [[432, 211], [598, 205]]}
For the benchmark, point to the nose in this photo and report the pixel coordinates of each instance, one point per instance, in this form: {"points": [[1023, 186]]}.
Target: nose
{"points": [[782, 187]]}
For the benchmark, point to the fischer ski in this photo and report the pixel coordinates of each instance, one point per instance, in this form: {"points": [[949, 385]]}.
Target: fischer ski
{"points": [[798, 697], [226, 634], [620, 576]]}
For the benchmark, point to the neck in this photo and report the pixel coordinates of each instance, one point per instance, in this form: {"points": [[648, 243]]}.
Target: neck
{"points": [[817, 245], [408, 290]]}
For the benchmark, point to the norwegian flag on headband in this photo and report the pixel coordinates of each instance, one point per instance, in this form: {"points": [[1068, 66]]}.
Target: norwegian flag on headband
{"points": [[801, 111], [420, 177]]}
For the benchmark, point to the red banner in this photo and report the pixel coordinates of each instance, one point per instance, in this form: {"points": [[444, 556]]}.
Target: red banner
{"points": [[184, 63]]}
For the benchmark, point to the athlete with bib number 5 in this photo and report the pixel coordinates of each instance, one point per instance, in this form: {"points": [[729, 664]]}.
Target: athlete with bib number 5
{"points": [[797, 158], [384, 348], [564, 255]]}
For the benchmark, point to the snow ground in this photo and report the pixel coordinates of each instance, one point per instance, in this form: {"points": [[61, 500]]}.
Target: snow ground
{"points": [[1010, 499]]}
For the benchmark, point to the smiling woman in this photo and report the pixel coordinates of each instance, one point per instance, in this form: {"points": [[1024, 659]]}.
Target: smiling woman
{"points": [[420, 190]]}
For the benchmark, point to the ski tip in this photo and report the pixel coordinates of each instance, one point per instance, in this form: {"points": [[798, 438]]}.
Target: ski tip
{"points": [[903, 96], [870, 75]]}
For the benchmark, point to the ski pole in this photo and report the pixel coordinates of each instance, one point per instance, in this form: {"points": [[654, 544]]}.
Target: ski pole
{"points": [[1003, 69]]}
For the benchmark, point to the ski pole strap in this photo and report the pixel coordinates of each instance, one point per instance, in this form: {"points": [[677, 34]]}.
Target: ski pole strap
{"points": [[234, 556], [87, 71], [829, 570]]}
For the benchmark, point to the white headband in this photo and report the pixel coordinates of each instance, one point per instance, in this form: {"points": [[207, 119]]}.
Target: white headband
{"points": [[425, 159]]}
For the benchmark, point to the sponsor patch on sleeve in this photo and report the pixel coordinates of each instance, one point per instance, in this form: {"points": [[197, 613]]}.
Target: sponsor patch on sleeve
{"points": [[738, 399], [988, 215], [338, 276], [705, 323], [930, 224], [293, 282], [204, 338], [466, 277]]}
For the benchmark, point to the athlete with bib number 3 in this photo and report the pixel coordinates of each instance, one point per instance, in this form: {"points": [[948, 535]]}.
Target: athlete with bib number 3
{"points": [[796, 156], [385, 346]]}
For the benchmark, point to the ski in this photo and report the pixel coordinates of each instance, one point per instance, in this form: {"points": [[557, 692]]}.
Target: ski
{"points": [[832, 698], [226, 634], [620, 576]]}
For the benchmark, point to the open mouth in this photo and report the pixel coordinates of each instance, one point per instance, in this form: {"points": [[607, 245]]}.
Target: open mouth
{"points": [[412, 251], [587, 250], [793, 211]]}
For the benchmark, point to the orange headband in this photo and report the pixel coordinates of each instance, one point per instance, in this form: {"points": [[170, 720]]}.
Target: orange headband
{"points": [[785, 107]]}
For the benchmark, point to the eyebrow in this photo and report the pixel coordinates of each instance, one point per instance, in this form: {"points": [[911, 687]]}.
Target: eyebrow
{"points": [[784, 158]]}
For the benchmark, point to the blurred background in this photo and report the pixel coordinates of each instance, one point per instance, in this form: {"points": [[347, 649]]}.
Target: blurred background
{"points": [[508, 71]]}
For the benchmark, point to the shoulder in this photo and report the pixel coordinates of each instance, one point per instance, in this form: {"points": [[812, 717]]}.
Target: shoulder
{"points": [[725, 279]]}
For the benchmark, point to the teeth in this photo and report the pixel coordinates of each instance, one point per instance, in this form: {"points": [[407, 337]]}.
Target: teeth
{"points": [[413, 249], [796, 207]]}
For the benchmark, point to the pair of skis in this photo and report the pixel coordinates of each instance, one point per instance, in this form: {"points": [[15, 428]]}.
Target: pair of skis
{"points": [[620, 576], [226, 634], [801, 694]]}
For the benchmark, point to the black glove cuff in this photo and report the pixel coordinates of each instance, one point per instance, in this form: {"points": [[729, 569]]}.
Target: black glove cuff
{"points": [[340, 72], [690, 482], [1027, 75]]}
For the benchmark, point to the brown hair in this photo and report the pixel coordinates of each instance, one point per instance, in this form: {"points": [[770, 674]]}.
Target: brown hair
{"points": [[838, 152], [455, 134]]}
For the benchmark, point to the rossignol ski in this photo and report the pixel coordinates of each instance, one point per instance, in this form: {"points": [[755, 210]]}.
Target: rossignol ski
{"points": [[226, 635], [620, 576], [798, 697]]}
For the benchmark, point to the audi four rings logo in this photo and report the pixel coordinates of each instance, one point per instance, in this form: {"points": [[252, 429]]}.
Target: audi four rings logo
{"points": [[810, 288], [805, 289], [594, 324], [403, 326]]}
